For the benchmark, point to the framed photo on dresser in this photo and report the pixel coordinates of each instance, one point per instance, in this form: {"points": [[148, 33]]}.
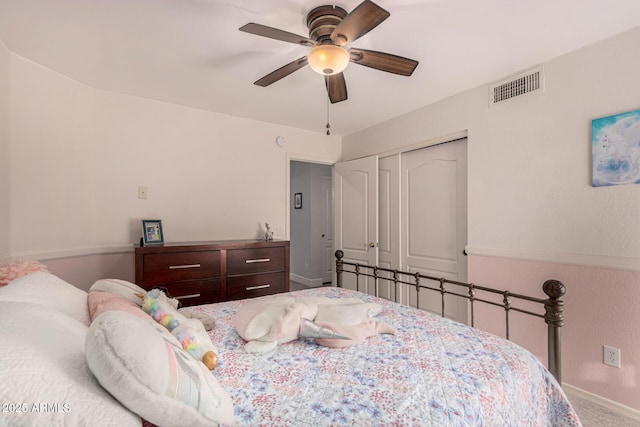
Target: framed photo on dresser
{"points": [[152, 232]]}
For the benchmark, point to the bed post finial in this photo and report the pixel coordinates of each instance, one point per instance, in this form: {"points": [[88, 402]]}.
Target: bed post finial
{"points": [[554, 318], [554, 288], [339, 254]]}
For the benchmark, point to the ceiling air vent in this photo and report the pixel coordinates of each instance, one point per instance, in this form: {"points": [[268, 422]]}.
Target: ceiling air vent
{"points": [[527, 82]]}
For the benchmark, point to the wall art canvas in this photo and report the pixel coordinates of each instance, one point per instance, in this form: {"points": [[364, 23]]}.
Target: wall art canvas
{"points": [[615, 143]]}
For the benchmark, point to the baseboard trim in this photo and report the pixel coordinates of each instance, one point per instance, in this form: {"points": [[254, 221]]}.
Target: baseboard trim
{"points": [[598, 261], [616, 407], [312, 283]]}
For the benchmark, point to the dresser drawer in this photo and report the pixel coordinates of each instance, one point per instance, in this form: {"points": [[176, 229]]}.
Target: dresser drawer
{"points": [[194, 292], [254, 286], [177, 266], [255, 260]]}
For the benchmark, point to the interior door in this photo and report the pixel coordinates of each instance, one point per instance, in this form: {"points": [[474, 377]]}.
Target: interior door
{"points": [[356, 215], [434, 221]]}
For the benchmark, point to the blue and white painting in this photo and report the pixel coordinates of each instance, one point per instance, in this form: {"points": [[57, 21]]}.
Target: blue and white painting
{"points": [[615, 142]]}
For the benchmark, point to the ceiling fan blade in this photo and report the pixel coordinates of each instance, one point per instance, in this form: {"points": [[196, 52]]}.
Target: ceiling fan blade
{"points": [[274, 33], [364, 18], [383, 61], [336, 87], [281, 72]]}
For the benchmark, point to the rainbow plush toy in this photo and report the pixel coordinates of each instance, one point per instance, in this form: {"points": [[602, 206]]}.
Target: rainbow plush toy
{"points": [[190, 333], [155, 304]]}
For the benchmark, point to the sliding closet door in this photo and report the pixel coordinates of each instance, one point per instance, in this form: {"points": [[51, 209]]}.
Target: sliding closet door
{"points": [[434, 220], [356, 215]]}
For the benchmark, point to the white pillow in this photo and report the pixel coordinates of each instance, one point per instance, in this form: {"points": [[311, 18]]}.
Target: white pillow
{"points": [[45, 380], [148, 371], [120, 287], [48, 290]]}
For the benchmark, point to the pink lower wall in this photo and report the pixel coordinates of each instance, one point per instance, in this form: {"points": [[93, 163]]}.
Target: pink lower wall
{"points": [[601, 307], [83, 271]]}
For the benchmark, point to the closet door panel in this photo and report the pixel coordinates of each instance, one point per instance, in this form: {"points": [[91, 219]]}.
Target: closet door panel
{"points": [[356, 215], [389, 221], [434, 221]]}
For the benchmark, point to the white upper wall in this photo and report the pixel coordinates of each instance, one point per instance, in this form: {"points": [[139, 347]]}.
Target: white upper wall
{"points": [[530, 192], [79, 155], [4, 151]]}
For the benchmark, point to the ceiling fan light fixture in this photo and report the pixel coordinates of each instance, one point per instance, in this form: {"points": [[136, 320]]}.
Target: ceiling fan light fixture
{"points": [[328, 59]]}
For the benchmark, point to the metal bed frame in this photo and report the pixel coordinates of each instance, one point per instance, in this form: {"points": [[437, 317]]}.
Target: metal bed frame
{"points": [[553, 306]]}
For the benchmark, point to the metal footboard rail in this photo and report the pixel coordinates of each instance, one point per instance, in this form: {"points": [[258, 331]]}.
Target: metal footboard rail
{"points": [[553, 305]]}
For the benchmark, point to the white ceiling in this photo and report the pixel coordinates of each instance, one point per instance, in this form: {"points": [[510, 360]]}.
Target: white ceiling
{"points": [[190, 52]]}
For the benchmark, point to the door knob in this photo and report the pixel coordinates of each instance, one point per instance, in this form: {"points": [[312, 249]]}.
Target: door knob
{"points": [[372, 245]]}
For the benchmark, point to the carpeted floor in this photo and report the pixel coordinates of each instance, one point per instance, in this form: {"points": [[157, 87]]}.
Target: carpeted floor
{"points": [[594, 415], [295, 286]]}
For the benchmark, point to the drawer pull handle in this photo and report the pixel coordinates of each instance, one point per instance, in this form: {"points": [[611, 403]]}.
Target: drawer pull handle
{"points": [[251, 261], [178, 267], [253, 288], [188, 296]]}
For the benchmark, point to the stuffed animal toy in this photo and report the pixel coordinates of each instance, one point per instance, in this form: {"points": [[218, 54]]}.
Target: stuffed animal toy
{"points": [[352, 320], [339, 322], [190, 333], [207, 321]]}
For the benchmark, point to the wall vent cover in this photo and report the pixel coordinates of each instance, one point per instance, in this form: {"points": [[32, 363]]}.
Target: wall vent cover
{"points": [[527, 82]]}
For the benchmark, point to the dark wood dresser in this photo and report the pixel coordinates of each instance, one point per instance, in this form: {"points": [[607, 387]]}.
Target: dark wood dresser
{"points": [[206, 272]]}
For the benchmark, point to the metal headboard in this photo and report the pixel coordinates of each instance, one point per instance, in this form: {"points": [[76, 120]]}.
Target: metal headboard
{"points": [[553, 306]]}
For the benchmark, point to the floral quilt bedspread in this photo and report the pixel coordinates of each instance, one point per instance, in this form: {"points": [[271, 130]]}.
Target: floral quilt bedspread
{"points": [[434, 372]]}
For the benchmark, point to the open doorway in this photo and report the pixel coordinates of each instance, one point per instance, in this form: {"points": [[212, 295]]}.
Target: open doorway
{"points": [[311, 223]]}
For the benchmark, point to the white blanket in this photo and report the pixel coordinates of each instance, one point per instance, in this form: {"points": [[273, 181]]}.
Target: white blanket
{"points": [[44, 377]]}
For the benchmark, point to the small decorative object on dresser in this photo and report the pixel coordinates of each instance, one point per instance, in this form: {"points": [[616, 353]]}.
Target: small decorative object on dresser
{"points": [[152, 232], [207, 272], [268, 236]]}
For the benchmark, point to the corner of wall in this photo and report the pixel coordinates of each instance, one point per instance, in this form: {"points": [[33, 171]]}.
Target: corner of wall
{"points": [[4, 150]]}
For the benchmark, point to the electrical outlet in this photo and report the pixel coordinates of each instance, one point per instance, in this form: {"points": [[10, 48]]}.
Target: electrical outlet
{"points": [[611, 356]]}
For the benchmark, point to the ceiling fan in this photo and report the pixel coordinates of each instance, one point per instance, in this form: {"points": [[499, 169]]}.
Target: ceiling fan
{"points": [[331, 28]]}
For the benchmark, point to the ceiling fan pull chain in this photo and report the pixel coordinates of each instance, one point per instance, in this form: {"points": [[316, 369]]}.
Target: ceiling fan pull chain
{"points": [[328, 125]]}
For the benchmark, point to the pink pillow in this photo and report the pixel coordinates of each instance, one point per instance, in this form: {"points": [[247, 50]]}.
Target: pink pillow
{"points": [[14, 269], [100, 302]]}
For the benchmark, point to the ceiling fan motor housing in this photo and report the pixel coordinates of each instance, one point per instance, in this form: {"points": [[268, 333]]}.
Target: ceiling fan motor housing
{"points": [[322, 20]]}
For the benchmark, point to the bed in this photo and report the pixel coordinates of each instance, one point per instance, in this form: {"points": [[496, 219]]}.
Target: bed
{"points": [[433, 372]]}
